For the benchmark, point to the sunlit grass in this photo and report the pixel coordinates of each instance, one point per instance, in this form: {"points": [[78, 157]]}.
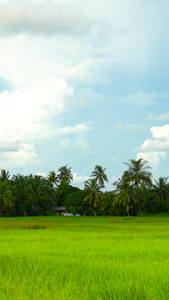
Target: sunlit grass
{"points": [[84, 258]]}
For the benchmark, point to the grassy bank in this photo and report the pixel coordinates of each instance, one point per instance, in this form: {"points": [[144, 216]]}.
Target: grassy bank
{"points": [[84, 258]]}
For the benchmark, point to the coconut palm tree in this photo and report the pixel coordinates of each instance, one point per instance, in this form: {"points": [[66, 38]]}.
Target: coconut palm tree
{"points": [[65, 175], [108, 203], [139, 174], [94, 195], [4, 176], [52, 179], [99, 175], [35, 185], [161, 189], [124, 194], [7, 200], [20, 189]]}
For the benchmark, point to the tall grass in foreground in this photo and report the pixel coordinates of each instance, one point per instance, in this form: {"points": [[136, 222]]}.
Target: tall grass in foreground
{"points": [[84, 258]]}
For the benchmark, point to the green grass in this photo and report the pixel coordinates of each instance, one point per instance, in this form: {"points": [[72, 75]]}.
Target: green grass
{"points": [[84, 258]]}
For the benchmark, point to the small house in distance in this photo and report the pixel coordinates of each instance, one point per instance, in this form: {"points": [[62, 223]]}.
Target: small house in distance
{"points": [[60, 210]]}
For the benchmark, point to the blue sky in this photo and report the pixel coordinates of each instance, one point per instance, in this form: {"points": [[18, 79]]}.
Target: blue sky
{"points": [[84, 84]]}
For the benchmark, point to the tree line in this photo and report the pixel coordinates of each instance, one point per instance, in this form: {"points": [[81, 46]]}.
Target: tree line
{"points": [[135, 192]]}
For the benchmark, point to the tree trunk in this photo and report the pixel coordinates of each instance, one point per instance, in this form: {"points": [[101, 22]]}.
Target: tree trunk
{"points": [[94, 213], [138, 200]]}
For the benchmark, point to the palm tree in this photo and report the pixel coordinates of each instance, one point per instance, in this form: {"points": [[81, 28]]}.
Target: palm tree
{"points": [[161, 189], [139, 174], [94, 195], [99, 174], [20, 188], [124, 195], [35, 185], [47, 198], [52, 178], [65, 175], [108, 202], [64, 178], [7, 200], [4, 176]]}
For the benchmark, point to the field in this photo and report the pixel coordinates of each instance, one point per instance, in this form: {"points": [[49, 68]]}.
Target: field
{"points": [[84, 258]]}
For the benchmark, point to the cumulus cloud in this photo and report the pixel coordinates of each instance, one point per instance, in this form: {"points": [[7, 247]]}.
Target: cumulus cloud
{"points": [[157, 147], [41, 174], [24, 117], [152, 157], [161, 132], [79, 179], [26, 154], [43, 17], [22, 113], [47, 62], [76, 129]]}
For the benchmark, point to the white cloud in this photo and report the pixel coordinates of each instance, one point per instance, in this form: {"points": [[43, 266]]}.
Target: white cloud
{"points": [[79, 179], [45, 60], [140, 99], [44, 17], [152, 157], [161, 132], [78, 103], [156, 148], [113, 179], [41, 174], [130, 127], [162, 117], [155, 145], [23, 114], [91, 71], [24, 117], [83, 127], [26, 154], [77, 143]]}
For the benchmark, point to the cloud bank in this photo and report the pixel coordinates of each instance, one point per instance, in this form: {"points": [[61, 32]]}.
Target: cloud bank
{"points": [[157, 147]]}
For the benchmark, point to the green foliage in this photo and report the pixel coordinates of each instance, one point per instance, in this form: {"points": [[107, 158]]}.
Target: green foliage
{"points": [[124, 193], [65, 176], [75, 204], [52, 179], [94, 194], [161, 189], [36, 195], [99, 175], [138, 174], [7, 200], [107, 206]]}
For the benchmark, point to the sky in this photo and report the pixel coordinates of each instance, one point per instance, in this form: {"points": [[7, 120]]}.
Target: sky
{"points": [[84, 83]]}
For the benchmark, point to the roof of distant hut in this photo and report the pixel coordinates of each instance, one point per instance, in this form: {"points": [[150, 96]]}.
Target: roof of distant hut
{"points": [[60, 208]]}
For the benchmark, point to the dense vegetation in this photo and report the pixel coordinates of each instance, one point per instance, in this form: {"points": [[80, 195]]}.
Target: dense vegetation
{"points": [[134, 193], [108, 258]]}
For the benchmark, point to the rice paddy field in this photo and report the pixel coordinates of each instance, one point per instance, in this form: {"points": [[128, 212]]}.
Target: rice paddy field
{"points": [[88, 258]]}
